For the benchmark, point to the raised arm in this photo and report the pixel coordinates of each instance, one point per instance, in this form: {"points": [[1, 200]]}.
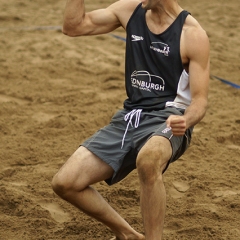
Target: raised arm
{"points": [[77, 22]]}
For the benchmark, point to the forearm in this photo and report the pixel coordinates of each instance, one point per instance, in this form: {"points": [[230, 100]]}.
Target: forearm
{"points": [[195, 112], [73, 15]]}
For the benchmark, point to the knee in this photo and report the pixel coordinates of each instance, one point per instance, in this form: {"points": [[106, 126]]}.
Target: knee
{"points": [[60, 185], [150, 166], [63, 185]]}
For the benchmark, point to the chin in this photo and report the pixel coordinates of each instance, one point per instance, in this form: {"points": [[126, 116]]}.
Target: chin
{"points": [[145, 4]]}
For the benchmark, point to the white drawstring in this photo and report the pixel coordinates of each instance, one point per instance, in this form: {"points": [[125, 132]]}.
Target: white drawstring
{"points": [[128, 117]]}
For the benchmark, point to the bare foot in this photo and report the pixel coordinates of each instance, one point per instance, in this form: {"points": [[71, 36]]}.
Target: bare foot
{"points": [[138, 236]]}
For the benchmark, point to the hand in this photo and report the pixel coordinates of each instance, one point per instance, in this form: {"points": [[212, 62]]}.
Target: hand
{"points": [[177, 124]]}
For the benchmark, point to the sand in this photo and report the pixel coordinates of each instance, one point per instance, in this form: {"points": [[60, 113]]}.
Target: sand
{"points": [[56, 91]]}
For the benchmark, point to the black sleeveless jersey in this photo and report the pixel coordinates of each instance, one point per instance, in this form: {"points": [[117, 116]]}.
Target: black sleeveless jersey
{"points": [[154, 73]]}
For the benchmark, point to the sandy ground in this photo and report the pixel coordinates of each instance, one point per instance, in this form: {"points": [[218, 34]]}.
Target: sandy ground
{"points": [[55, 91]]}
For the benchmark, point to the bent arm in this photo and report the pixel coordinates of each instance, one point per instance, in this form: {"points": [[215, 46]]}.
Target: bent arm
{"points": [[197, 51], [77, 22], [199, 70]]}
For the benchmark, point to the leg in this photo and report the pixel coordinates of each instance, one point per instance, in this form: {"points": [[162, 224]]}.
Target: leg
{"points": [[73, 181], [151, 161]]}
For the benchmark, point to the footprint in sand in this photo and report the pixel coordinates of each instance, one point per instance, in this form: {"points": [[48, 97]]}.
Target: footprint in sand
{"points": [[43, 117], [226, 193], [181, 186], [233, 147], [57, 213], [5, 98], [174, 193], [178, 189]]}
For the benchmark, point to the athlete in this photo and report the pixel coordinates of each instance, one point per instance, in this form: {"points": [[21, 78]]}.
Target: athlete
{"points": [[167, 77]]}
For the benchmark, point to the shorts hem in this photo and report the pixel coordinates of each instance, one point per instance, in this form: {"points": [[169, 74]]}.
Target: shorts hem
{"points": [[113, 166]]}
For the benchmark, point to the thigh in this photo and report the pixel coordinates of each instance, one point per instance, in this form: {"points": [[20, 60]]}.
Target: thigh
{"points": [[84, 168]]}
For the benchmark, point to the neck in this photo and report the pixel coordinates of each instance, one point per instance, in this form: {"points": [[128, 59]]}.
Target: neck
{"points": [[163, 10], [161, 14]]}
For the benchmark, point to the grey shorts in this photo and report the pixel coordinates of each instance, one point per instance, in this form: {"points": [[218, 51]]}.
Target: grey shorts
{"points": [[118, 143]]}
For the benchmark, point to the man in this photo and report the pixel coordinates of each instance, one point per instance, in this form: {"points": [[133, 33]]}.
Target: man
{"points": [[167, 74]]}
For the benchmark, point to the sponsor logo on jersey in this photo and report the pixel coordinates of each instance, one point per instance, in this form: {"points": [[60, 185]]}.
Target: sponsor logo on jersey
{"points": [[145, 81], [136, 38], [160, 47]]}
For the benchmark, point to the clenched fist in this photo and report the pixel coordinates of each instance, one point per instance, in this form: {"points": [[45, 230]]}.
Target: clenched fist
{"points": [[177, 124]]}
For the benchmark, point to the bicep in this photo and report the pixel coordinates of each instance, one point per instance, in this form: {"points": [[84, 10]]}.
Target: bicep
{"points": [[106, 20], [97, 22], [199, 65]]}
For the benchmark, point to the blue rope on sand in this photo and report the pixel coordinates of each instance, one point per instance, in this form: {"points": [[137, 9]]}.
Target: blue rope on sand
{"points": [[33, 28], [118, 37], [113, 35], [226, 82]]}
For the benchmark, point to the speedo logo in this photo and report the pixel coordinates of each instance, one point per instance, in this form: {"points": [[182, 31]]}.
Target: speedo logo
{"points": [[136, 38], [166, 130]]}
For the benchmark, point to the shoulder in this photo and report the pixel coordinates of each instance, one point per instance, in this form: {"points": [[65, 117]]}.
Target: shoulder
{"points": [[194, 37], [193, 29]]}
